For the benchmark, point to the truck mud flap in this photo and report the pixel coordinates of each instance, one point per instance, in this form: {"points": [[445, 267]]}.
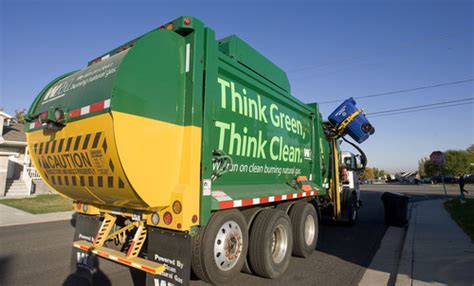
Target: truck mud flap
{"points": [[84, 264], [173, 249]]}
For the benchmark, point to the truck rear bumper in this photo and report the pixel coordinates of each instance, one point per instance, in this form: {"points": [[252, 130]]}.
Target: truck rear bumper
{"points": [[117, 256]]}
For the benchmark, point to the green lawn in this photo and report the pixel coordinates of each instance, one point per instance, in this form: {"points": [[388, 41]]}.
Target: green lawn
{"points": [[463, 214], [40, 204]]}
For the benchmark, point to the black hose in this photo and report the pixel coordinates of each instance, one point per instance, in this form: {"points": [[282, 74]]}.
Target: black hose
{"points": [[363, 159]]}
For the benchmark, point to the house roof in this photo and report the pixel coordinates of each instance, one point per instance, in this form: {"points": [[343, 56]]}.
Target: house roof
{"points": [[14, 132], [4, 114]]}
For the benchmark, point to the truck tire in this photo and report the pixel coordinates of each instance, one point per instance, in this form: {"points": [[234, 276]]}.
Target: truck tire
{"points": [[304, 221], [220, 248], [351, 210], [249, 215], [271, 242]]}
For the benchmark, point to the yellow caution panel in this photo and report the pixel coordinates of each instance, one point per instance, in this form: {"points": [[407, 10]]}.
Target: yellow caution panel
{"points": [[121, 160], [81, 162]]}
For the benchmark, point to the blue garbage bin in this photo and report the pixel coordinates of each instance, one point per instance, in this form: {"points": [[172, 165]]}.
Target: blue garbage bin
{"points": [[359, 128]]}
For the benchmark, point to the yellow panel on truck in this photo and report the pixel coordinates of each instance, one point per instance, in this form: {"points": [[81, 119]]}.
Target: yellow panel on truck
{"points": [[114, 136]]}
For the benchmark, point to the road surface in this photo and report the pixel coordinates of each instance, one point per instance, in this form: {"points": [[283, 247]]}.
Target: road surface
{"points": [[39, 254]]}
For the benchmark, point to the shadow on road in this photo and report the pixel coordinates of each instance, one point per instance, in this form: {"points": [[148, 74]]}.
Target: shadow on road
{"points": [[4, 268]]}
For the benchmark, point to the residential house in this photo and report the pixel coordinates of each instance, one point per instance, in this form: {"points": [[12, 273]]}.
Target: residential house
{"points": [[17, 175]]}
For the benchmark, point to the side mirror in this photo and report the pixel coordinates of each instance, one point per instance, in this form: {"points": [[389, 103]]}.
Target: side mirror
{"points": [[358, 162]]}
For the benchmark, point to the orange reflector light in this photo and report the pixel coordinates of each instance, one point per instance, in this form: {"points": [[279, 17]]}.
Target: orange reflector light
{"points": [[167, 218], [194, 219], [169, 26], [177, 207]]}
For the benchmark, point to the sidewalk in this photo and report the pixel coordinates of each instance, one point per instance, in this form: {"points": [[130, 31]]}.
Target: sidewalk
{"points": [[436, 250], [10, 216]]}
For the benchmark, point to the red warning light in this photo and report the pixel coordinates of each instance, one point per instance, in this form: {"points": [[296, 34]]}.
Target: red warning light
{"points": [[167, 218], [187, 21]]}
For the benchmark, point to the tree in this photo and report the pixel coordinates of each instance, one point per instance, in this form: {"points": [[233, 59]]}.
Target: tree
{"points": [[426, 168], [457, 162], [421, 167], [20, 115], [368, 173], [378, 173], [470, 149]]}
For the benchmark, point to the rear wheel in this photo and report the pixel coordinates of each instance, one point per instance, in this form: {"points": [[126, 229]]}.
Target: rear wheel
{"points": [[304, 222], [351, 209], [220, 248], [271, 242]]}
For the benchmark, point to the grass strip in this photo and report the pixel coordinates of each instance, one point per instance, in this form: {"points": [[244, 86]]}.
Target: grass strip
{"points": [[463, 214], [40, 204]]}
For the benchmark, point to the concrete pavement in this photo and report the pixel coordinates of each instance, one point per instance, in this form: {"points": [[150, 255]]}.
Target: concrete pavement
{"points": [[11, 216], [436, 250], [383, 268]]}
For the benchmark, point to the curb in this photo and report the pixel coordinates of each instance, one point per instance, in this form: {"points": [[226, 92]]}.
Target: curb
{"points": [[405, 262], [383, 267]]}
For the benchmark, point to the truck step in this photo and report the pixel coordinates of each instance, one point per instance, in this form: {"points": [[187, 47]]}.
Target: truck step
{"points": [[117, 256]]}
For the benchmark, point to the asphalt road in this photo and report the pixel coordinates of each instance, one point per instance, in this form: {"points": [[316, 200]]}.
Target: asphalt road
{"points": [[39, 254]]}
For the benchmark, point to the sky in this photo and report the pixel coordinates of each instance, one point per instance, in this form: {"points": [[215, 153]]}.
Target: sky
{"points": [[330, 50]]}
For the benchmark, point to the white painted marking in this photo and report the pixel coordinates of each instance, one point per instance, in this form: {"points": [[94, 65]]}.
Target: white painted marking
{"points": [[256, 201], [136, 265], [107, 103], [32, 125], [188, 55], [283, 197], [85, 110], [238, 203], [271, 199]]}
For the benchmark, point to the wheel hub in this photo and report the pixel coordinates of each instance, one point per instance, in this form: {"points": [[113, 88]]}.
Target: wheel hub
{"points": [[279, 243], [228, 245], [309, 230]]}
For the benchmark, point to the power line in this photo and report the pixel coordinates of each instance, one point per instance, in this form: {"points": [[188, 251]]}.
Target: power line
{"points": [[404, 90], [422, 109]]}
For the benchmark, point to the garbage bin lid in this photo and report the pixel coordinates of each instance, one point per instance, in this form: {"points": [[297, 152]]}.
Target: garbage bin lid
{"points": [[387, 195]]}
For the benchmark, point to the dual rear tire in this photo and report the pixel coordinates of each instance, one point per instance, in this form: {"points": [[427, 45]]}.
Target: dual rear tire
{"points": [[305, 225], [220, 248], [271, 242]]}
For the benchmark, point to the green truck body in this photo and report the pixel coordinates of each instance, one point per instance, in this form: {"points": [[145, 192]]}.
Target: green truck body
{"points": [[259, 147]]}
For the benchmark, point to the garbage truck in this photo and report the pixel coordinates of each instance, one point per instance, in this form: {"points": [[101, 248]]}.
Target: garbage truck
{"points": [[185, 153]]}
